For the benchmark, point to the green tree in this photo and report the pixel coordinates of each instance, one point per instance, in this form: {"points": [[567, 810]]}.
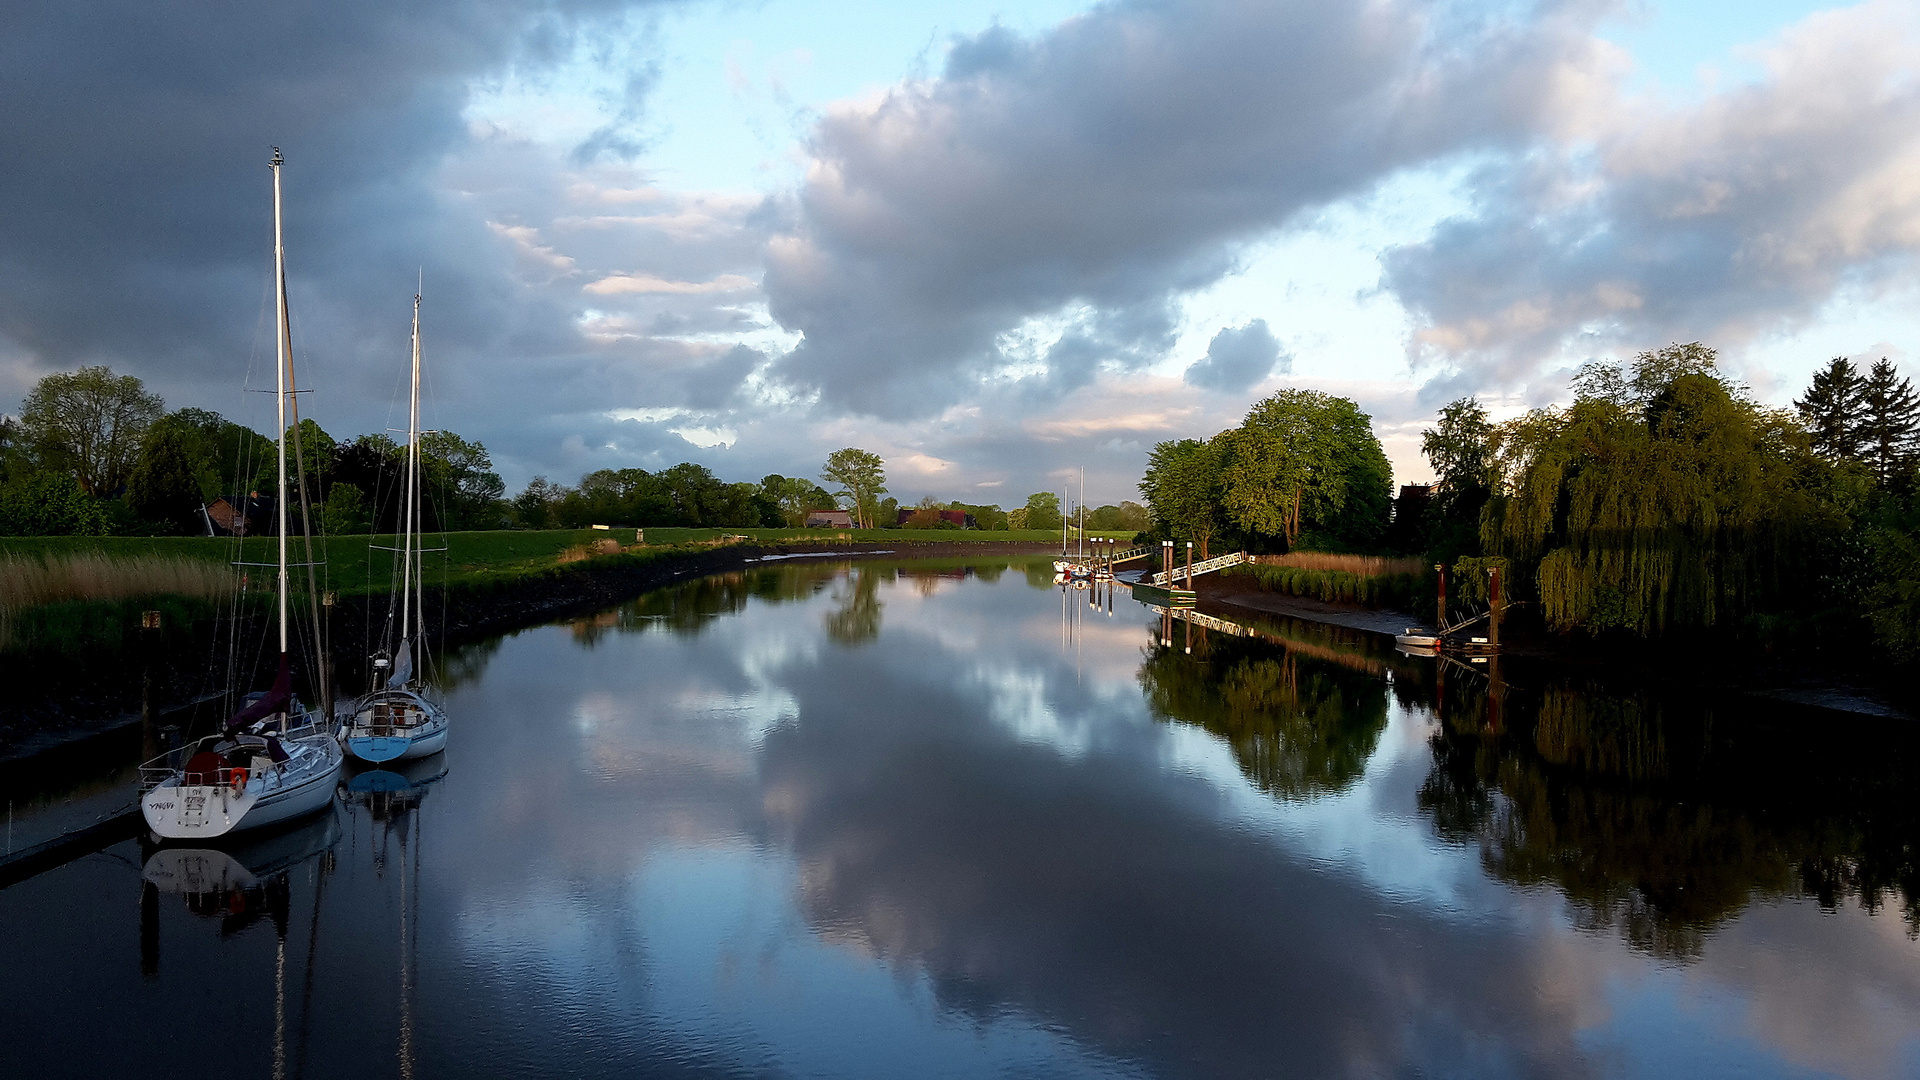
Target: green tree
{"points": [[1182, 486], [43, 503], [862, 478], [89, 423], [796, 497], [533, 507], [1889, 421], [1831, 410], [1650, 506], [459, 474], [1303, 459], [345, 511], [163, 487], [1043, 511], [1460, 449]]}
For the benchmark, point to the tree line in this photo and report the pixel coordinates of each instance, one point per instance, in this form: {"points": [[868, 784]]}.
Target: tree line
{"points": [[1663, 500], [95, 453], [1666, 500], [851, 480]]}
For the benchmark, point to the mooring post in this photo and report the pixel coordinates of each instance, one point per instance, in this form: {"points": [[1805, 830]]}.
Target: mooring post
{"points": [[1166, 561], [1493, 606], [1189, 564], [1440, 605], [149, 730]]}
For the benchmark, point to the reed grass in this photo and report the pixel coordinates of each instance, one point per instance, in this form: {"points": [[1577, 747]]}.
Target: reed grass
{"points": [[1359, 565], [28, 581]]}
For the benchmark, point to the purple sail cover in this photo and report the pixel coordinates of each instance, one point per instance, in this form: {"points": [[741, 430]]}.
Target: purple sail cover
{"points": [[275, 700]]}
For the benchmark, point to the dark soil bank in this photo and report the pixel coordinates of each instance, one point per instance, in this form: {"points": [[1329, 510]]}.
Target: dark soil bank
{"points": [[61, 691]]}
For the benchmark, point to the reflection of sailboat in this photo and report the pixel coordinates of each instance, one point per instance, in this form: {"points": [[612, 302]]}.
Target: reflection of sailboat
{"points": [[273, 761], [392, 798], [397, 721], [240, 883]]}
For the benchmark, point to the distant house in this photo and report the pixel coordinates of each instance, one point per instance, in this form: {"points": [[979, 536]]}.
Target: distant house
{"points": [[239, 515], [958, 517], [829, 519]]}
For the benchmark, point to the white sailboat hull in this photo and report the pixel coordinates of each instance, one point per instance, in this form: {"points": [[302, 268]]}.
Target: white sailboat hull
{"points": [[176, 810]]}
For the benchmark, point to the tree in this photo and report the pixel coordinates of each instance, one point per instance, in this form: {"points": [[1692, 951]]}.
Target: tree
{"points": [[459, 473], [89, 424], [1305, 459], [533, 507], [49, 504], [1460, 449], [1182, 489], [1831, 410], [1677, 505], [345, 511], [1129, 516], [795, 496], [1043, 511], [162, 487], [862, 478], [1890, 421]]}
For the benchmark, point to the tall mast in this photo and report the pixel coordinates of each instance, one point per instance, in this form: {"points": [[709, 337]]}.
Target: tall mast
{"points": [[1082, 543], [285, 344], [409, 610]]}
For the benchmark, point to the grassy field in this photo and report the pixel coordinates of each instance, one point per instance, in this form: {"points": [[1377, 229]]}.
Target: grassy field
{"points": [[353, 565]]}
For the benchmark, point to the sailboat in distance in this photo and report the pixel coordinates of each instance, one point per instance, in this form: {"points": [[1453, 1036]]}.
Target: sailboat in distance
{"points": [[395, 720], [273, 760]]}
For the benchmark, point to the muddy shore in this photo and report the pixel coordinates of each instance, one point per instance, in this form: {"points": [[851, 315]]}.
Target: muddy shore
{"points": [[1790, 678]]}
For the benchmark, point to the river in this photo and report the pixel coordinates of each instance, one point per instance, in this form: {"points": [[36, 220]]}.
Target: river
{"points": [[945, 820]]}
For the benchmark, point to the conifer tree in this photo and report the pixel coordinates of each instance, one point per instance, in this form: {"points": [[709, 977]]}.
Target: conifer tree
{"points": [[1889, 425], [1831, 410]]}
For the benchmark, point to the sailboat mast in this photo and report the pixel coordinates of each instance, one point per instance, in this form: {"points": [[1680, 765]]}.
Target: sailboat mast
{"points": [[1083, 511], [285, 346], [408, 609]]}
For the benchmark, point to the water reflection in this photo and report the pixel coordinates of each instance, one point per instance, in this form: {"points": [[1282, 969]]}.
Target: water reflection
{"points": [[1298, 726], [882, 820]]}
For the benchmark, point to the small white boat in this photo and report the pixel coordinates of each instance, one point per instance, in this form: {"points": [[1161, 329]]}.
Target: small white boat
{"points": [[273, 760], [396, 721], [1418, 639]]}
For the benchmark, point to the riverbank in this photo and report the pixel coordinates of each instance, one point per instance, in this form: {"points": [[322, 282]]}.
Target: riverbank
{"points": [[60, 695]]}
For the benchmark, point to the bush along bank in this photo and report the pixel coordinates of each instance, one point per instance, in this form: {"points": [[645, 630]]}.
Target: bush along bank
{"points": [[1400, 592]]}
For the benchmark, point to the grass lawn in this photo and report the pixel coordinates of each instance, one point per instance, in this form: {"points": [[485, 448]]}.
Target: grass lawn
{"points": [[354, 566]]}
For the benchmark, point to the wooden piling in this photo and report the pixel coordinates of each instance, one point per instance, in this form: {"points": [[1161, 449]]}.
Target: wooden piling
{"points": [[1440, 613]]}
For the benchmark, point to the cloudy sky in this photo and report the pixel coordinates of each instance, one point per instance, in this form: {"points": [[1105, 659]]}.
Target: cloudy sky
{"points": [[992, 242]]}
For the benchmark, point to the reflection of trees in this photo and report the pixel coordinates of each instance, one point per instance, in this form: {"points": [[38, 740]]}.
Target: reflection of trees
{"points": [[1662, 817], [1299, 726], [857, 619], [689, 607], [467, 663]]}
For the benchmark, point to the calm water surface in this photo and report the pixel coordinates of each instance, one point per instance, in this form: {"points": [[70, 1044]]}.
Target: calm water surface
{"points": [[900, 821]]}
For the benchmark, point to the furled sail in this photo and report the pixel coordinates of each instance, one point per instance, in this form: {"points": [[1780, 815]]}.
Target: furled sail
{"points": [[402, 665]]}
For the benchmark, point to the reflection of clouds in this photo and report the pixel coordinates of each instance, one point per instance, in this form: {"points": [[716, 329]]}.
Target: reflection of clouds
{"points": [[1833, 994], [954, 823]]}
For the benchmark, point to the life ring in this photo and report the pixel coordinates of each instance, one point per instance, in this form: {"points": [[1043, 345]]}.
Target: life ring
{"points": [[239, 782]]}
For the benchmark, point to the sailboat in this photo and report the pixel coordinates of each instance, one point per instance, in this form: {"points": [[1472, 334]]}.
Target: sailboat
{"points": [[396, 721], [273, 760]]}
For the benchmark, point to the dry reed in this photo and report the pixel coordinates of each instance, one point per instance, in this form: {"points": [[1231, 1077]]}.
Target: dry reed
{"points": [[27, 582], [1363, 565], [592, 550]]}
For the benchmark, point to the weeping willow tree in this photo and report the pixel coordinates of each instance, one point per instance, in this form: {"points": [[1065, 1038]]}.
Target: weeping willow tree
{"points": [[1664, 498]]}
